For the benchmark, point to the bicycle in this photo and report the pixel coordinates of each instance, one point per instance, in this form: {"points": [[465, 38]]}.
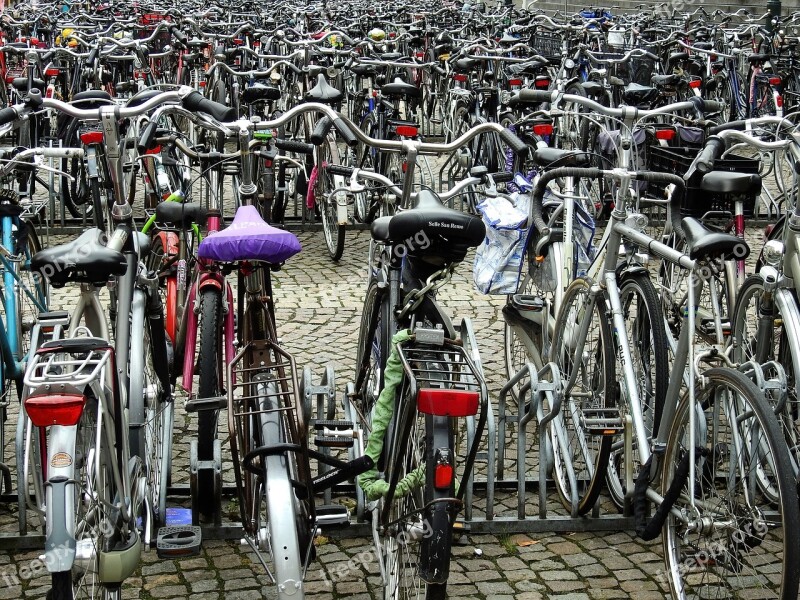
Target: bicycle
{"points": [[415, 374], [720, 430], [266, 419]]}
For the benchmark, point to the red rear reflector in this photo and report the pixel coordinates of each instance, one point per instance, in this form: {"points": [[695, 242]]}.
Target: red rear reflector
{"points": [[406, 130], [62, 409], [695, 83], [779, 101], [202, 84], [443, 478], [447, 403], [9, 79], [542, 83], [514, 82], [238, 41], [460, 77], [543, 129], [420, 54], [53, 72], [665, 134], [774, 80], [155, 150], [92, 137], [392, 35]]}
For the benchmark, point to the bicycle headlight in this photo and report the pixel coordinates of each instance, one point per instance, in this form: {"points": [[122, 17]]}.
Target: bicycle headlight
{"points": [[773, 253], [376, 34]]}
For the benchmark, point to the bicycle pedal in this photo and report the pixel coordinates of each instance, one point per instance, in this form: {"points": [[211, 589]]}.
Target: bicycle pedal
{"points": [[461, 528], [322, 425], [332, 514], [214, 403], [602, 421], [323, 441], [179, 541]]}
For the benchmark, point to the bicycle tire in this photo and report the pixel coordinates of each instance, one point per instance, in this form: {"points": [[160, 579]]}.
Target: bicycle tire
{"points": [[540, 278], [373, 338], [755, 540], [415, 539], [594, 389], [751, 343], [209, 364], [328, 153], [647, 340]]}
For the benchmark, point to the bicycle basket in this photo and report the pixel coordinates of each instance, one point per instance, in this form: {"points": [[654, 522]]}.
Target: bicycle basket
{"points": [[697, 202]]}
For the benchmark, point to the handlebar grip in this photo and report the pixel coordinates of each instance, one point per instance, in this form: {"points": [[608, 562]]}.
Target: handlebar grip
{"points": [[737, 125], [347, 135], [295, 146], [535, 96], [707, 106], [145, 142], [713, 149], [502, 177], [8, 115], [512, 140], [179, 36], [340, 170], [321, 130], [197, 103]]}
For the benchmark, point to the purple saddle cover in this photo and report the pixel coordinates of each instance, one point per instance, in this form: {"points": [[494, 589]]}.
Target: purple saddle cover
{"points": [[249, 237]]}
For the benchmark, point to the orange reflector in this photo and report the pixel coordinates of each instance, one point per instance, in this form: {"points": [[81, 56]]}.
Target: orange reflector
{"points": [[61, 409], [543, 129], [447, 403], [92, 137], [539, 259], [443, 478], [665, 134], [406, 130]]}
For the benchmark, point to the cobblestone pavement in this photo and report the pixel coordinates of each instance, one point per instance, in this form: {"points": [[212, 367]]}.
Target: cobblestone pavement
{"points": [[319, 310]]}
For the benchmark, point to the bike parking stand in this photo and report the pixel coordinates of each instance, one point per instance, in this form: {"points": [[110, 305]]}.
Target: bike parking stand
{"points": [[214, 467]]}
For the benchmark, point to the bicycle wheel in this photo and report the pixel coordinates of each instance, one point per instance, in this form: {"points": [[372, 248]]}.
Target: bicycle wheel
{"points": [[94, 523], [373, 347], [723, 539], [149, 415], [647, 340], [674, 296], [586, 453], [540, 279], [276, 505], [209, 365], [768, 340], [328, 154], [417, 543]]}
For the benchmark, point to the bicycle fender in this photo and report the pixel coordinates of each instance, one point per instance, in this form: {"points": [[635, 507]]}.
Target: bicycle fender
{"points": [[208, 280], [60, 545], [629, 269], [170, 243]]}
